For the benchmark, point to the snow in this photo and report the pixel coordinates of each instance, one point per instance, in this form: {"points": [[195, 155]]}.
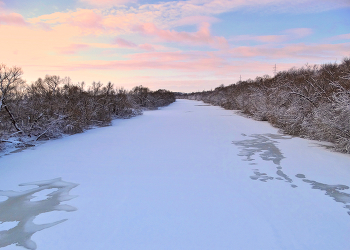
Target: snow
{"points": [[187, 176]]}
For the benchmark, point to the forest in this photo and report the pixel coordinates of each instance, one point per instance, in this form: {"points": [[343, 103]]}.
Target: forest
{"points": [[53, 106], [311, 102]]}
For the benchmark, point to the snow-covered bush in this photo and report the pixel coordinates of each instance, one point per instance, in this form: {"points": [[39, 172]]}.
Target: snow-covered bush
{"points": [[312, 101], [50, 107]]}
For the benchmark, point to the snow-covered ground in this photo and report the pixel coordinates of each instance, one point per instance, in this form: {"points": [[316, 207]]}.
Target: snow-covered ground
{"points": [[188, 176]]}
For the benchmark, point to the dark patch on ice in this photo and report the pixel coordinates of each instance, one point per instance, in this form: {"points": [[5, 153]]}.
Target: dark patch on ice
{"points": [[20, 208], [260, 176], [333, 191], [284, 176], [266, 146], [262, 144]]}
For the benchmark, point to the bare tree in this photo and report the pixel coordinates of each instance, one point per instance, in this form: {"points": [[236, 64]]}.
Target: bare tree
{"points": [[52, 82], [9, 78]]}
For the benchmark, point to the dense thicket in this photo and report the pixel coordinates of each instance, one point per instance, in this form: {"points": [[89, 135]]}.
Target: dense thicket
{"points": [[54, 106], [311, 102]]}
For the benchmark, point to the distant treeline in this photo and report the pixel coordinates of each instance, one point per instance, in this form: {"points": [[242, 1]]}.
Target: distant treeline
{"points": [[54, 106], [311, 102]]}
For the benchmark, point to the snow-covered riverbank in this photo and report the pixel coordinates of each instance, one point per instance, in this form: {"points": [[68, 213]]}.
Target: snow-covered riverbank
{"points": [[187, 176]]}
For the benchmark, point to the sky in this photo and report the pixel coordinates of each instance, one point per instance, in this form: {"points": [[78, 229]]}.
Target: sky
{"points": [[185, 46]]}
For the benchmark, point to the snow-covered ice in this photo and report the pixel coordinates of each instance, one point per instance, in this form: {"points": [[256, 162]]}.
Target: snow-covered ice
{"points": [[187, 176]]}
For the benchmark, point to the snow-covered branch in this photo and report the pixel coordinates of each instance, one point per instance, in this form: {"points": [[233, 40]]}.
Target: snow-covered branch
{"points": [[312, 101]]}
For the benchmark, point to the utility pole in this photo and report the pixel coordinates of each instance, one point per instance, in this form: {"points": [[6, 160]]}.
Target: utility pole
{"points": [[275, 70]]}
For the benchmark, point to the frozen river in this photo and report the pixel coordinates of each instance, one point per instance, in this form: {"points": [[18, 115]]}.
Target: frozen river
{"points": [[188, 176]]}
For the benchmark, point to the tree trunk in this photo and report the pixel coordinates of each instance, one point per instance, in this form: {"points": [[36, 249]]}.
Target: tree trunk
{"points": [[13, 120]]}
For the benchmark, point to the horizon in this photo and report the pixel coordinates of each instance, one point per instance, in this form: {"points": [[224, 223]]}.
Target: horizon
{"points": [[181, 46]]}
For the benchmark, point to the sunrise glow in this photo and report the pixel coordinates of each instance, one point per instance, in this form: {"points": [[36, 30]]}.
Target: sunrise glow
{"points": [[177, 45]]}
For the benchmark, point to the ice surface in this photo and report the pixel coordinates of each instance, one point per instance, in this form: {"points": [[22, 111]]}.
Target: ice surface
{"points": [[21, 208], [269, 151], [172, 179]]}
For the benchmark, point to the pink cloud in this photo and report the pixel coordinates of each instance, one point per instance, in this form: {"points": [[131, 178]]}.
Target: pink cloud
{"points": [[298, 32], [195, 20], [107, 3], [201, 37], [43, 26], [219, 63], [12, 19], [263, 39], [196, 66], [159, 60], [340, 37], [87, 19], [272, 38], [290, 34], [146, 46], [127, 44], [123, 43], [166, 56], [293, 51], [73, 49]]}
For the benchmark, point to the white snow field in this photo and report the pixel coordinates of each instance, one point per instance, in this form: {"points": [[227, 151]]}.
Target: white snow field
{"points": [[188, 176]]}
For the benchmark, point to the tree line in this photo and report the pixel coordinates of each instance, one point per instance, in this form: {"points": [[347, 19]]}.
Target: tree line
{"points": [[311, 102], [53, 106]]}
